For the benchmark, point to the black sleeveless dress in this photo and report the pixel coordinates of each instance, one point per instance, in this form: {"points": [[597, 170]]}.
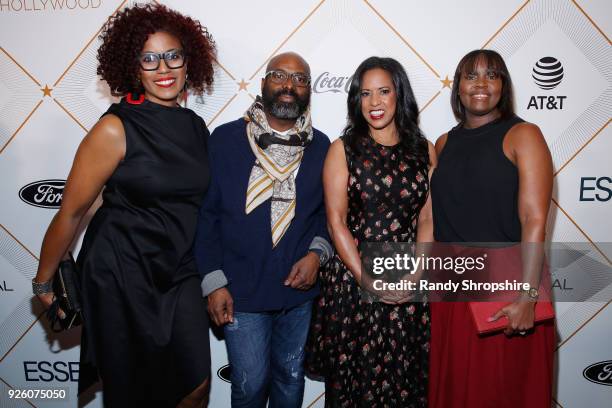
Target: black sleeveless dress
{"points": [[146, 327], [475, 199], [373, 354]]}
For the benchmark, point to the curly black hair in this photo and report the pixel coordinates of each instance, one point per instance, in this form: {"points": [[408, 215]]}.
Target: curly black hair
{"points": [[123, 37]]}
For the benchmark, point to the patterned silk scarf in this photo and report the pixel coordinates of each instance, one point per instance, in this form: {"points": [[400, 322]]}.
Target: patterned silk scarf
{"points": [[277, 158]]}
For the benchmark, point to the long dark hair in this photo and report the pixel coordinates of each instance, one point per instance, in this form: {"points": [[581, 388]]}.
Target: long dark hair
{"points": [[406, 112], [494, 62]]}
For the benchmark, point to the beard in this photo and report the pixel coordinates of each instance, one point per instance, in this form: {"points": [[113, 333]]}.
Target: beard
{"points": [[284, 110]]}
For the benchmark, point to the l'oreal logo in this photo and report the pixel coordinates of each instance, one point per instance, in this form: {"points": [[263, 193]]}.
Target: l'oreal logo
{"points": [[44, 193], [599, 373]]}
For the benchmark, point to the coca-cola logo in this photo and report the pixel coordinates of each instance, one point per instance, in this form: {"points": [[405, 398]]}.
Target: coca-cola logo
{"points": [[599, 373], [327, 82], [224, 373], [44, 193]]}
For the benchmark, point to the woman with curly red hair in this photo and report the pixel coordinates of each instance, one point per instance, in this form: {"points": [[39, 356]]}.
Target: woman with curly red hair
{"points": [[145, 323]]}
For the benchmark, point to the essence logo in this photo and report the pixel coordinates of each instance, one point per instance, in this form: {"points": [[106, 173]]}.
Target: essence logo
{"points": [[47, 371], [601, 186], [599, 373], [48, 5], [44, 193], [327, 82], [224, 373], [547, 73]]}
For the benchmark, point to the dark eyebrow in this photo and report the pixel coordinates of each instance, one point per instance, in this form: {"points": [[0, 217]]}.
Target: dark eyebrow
{"points": [[379, 88], [163, 52], [288, 72]]}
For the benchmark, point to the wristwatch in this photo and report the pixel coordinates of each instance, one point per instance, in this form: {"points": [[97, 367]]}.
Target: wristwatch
{"points": [[532, 293], [321, 254]]}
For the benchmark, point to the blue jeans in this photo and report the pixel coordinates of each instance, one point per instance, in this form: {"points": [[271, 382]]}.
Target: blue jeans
{"points": [[266, 353]]}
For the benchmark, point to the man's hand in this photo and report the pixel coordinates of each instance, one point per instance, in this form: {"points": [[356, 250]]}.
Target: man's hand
{"points": [[221, 306], [304, 273]]}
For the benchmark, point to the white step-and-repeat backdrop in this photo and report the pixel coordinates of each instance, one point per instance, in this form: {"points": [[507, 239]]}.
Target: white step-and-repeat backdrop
{"points": [[50, 97]]}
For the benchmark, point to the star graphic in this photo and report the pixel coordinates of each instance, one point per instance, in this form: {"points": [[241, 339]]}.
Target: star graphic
{"points": [[446, 83], [46, 90], [242, 85]]}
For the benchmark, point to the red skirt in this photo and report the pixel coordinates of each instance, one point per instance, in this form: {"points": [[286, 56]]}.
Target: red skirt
{"points": [[468, 370]]}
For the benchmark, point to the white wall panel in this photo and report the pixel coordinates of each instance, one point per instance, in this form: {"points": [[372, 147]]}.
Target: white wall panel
{"points": [[50, 96]]}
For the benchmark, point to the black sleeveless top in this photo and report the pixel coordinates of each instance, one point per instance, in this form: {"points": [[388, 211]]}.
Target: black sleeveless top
{"points": [[151, 202], [475, 186]]}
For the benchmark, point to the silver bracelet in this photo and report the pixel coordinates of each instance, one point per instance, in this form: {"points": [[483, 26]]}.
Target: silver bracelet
{"points": [[41, 288]]}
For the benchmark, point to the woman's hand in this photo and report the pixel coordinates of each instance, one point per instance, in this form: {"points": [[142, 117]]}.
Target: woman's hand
{"points": [[47, 300], [388, 296], [520, 314]]}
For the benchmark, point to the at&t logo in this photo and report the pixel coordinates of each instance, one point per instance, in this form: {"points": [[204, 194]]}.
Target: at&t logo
{"points": [[547, 74]]}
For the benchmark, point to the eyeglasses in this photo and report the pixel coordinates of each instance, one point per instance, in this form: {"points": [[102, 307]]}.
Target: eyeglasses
{"points": [[280, 77], [149, 61]]}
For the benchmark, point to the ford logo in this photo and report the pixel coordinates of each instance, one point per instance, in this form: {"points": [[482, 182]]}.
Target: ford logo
{"points": [[224, 373], [44, 193], [599, 373]]}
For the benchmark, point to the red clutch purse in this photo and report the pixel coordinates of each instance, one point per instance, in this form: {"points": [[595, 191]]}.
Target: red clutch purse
{"points": [[481, 311]]}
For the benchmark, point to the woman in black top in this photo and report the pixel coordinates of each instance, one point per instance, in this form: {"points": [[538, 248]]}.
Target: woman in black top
{"points": [[145, 328], [493, 183]]}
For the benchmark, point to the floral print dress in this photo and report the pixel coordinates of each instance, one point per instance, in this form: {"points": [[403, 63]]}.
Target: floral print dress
{"points": [[373, 354]]}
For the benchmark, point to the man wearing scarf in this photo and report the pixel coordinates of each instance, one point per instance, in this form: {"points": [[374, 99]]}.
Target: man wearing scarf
{"points": [[262, 236]]}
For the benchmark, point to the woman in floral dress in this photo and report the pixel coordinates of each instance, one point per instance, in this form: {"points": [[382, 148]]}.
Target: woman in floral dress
{"points": [[376, 181]]}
